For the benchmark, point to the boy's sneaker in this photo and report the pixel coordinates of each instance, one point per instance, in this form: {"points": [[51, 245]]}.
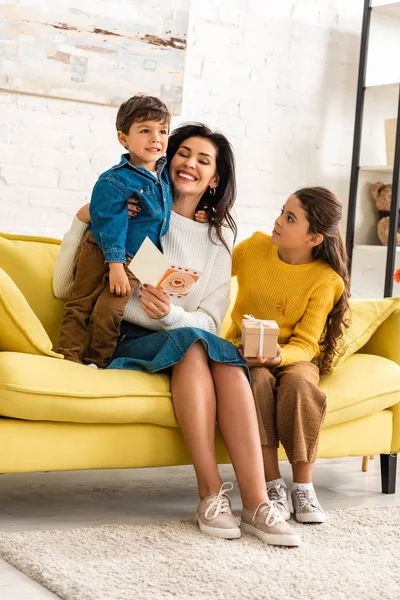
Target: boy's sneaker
{"points": [[267, 523], [278, 493], [214, 515], [306, 507]]}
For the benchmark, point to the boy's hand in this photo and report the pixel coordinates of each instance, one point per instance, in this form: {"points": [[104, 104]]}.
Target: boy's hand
{"points": [[133, 207], [119, 282], [201, 216], [261, 361]]}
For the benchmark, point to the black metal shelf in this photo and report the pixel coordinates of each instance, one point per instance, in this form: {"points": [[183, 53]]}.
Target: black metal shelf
{"points": [[355, 163]]}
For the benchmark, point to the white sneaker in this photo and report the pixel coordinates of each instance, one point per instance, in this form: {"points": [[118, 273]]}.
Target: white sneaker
{"points": [[306, 507], [214, 515], [92, 366], [278, 493], [267, 523]]}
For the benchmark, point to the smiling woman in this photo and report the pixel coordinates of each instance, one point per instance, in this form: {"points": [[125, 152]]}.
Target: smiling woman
{"points": [[208, 375]]}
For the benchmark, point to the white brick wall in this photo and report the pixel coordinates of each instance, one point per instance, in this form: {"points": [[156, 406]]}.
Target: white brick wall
{"points": [[278, 78]]}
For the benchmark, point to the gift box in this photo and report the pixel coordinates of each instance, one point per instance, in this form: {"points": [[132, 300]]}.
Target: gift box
{"points": [[259, 337]]}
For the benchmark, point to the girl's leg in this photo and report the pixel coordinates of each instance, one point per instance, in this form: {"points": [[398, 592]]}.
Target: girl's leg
{"points": [[263, 388], [195, 406], [264, 391], [301, 408], [237, 420], [300, 413]]}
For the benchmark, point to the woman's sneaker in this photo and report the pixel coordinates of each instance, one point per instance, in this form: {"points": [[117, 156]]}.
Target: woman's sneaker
{"points": [[306, 507], [278, 493], [267, 523], [214, 515]]}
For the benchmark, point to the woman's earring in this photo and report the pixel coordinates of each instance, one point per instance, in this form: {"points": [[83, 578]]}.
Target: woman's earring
{"points": [[211, 191]]}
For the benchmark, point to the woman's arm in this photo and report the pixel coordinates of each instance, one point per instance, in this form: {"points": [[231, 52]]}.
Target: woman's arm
{"points": [[212, 307], [64, 267]]}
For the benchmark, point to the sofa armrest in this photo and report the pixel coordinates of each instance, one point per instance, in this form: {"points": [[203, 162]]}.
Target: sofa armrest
{"points": [[386, 339]]}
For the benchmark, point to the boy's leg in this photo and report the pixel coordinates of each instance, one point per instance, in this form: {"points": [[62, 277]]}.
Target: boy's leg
{"points": [[105, 322], [88, 276]]}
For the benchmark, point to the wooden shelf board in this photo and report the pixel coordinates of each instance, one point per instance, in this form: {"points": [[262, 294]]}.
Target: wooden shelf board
{"points": [[377, 168], [390, 86], [390, 9], [374, 248]]}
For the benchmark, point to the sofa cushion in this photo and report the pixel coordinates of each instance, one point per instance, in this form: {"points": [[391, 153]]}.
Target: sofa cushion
{"points": [[29, 261], [21, 330], [39, 388], [364, 384], [365, 316]]}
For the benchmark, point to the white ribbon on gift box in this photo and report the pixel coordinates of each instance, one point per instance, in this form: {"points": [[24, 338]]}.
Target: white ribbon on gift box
{"points": [[260, 323]]}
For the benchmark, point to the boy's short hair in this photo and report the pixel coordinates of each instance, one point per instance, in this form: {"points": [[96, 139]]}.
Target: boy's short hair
{"points": [[141, 108]]}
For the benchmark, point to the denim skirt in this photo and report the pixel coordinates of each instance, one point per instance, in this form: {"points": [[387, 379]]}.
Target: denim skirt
{"points": [[141, 349]]}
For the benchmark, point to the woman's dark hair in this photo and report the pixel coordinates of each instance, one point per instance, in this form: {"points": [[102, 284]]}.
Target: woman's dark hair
{"points": [[324, 213], [219, 206]]}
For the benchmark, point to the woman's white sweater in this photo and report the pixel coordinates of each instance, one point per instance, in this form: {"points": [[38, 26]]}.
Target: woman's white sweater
{"points": [[186, 244]]}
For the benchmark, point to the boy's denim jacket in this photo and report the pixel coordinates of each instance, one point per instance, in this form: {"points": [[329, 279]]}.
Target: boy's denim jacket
{"points": [[117, 235]]}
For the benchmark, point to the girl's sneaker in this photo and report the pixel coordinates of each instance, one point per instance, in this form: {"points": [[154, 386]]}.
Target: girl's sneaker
{"points": [[267, 523], [278, 493], [214, 515], [306, 507]]}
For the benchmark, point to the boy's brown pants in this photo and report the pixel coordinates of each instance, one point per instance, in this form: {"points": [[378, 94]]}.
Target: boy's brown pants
{"points": [[290, 409], [92, 304]]}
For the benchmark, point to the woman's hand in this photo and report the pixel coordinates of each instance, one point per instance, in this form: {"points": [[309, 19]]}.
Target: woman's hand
{"points": [[133, 207], [261, 361], [83, 214], [154, 302]]}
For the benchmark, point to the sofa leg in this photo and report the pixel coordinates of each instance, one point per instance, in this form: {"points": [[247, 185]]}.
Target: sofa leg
{"points": [[388, 473]]}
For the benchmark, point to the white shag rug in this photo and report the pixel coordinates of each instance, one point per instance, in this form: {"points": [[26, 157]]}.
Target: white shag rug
{"points": [[355, 555]]}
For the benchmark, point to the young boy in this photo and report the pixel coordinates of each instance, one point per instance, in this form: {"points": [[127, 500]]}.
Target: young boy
{"points": [[102, 282]]}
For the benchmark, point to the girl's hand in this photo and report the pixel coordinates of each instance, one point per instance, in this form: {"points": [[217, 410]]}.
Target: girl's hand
{"points": [[133, 207], [154, 302], [83, 214], [261, 361], [119, 282], [201, 216]]}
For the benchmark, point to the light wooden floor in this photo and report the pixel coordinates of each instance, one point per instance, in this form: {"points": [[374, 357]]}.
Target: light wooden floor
{"points": [[89, 498]]}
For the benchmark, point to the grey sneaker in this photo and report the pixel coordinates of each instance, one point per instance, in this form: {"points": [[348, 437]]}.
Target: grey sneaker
{"points": [[214, 515], [267, 523], [279, 494], [306, 507]]}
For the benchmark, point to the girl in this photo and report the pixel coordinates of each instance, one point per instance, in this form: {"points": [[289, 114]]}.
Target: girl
{"points": [[298, 276]]}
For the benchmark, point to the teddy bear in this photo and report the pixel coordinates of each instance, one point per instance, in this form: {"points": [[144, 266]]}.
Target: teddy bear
{"points": [[382, 194]]}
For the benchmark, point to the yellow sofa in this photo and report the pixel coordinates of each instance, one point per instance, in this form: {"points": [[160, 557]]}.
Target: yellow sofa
{"points": [[57, 415]]}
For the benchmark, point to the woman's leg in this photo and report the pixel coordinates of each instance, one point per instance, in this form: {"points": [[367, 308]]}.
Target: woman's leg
{"points": [[194, 401], [237, 420]]}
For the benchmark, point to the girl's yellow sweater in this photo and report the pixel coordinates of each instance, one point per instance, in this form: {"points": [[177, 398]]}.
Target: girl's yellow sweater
{"points": [[298, 297]]}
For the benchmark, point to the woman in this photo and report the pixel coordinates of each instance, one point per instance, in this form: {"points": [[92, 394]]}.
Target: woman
{"points": [[202, 171]]}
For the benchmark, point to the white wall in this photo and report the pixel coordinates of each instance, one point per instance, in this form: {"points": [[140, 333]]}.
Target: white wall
{"points": [[279, 78]]}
